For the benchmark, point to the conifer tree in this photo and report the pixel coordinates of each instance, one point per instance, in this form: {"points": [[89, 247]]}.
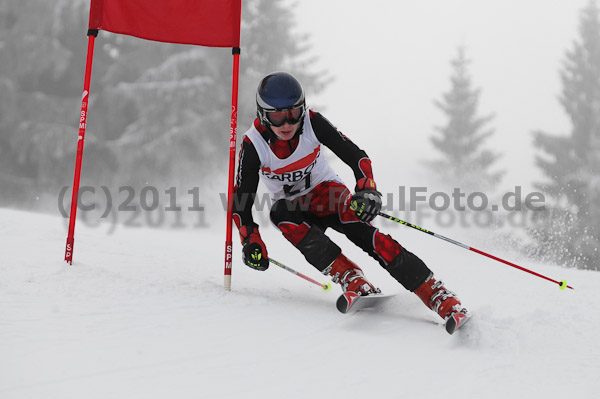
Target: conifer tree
{"points": [[193, 123], [464, 161], [42, 59], [158, 112], [569, 232]]}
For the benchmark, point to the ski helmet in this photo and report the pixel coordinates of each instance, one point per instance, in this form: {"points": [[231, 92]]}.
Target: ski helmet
{"points": [[279, 99]]}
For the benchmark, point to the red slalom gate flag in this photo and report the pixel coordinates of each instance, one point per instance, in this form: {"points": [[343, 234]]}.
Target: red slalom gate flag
{"points": [[213, 23]]}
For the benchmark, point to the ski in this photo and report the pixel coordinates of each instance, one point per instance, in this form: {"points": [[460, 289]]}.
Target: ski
{"points": [[457, 320], [351, 301]]}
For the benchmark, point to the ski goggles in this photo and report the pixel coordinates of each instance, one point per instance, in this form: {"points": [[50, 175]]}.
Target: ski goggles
{"points": [[279, 118]]}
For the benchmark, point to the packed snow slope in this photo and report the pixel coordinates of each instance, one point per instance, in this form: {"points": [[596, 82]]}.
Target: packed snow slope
{"points": [[142, 313]]}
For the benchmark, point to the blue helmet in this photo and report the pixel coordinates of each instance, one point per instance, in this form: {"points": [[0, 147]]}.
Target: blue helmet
{"points": [[279, 91]]}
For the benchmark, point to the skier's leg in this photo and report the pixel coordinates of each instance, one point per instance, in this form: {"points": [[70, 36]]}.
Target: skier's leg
{"points": [[407, 268], [323, 207], [308, 237], [305, 230], [403, 265]]}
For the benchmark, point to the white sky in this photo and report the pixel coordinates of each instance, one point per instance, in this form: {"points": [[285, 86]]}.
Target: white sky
{"points": [[391, 59]]}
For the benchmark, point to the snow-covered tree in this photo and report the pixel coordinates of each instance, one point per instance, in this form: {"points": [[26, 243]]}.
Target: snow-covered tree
{"points": [[42, 61], [464, 161], [159, 113], [184, 102], [571, 231]]}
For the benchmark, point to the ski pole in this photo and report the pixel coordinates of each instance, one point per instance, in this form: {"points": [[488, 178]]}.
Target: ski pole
{"points": [[561, 284], [325, 287]]}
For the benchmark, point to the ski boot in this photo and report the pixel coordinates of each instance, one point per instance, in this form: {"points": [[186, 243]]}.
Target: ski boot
{"points": [[444, 302], [350, 276]]}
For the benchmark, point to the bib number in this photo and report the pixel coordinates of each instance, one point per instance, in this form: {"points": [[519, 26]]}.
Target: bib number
{"points": [[288, 188]]}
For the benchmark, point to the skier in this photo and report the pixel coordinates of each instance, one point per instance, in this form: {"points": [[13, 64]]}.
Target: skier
{"points": [[284, 147]]}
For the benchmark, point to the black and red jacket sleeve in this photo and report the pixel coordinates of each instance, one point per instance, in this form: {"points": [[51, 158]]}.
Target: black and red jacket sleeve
{"points": [[246, 185], [341, 146]]}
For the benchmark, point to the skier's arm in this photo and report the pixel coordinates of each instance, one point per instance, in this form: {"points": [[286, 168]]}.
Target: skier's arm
{"points": [[342, 146], [254, 250], [366, 202], [246, 184]]}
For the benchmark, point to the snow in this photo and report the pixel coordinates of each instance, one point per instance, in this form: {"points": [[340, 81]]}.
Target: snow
{"points": [[142, 313]]}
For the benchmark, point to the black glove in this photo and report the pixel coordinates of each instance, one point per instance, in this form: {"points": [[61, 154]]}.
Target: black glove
{"points": [[252, 254], [254, 251], [366, 203]]}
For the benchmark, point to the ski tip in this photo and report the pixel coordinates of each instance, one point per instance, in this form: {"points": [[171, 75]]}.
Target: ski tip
{"points": [[457, 320], [345, 301], [342, 304]]}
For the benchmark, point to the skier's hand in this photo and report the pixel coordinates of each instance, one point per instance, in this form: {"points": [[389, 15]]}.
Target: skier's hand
{"points": [[252, 254], [366, 203], [254, 251]]}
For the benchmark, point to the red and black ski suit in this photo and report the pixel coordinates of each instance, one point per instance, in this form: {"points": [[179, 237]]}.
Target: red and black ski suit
{"points": [[303, 220]]}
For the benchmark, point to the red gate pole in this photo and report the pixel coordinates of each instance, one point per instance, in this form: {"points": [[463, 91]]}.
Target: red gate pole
{"points": [[232, 148], [92, 33]]}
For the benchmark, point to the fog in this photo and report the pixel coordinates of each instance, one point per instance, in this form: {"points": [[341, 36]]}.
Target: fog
{"points": [[160, 112], [391, 60]]}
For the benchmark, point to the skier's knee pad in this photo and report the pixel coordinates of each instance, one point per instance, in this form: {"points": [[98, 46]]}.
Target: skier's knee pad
{"points": [[409, 270], [317, 248]]}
